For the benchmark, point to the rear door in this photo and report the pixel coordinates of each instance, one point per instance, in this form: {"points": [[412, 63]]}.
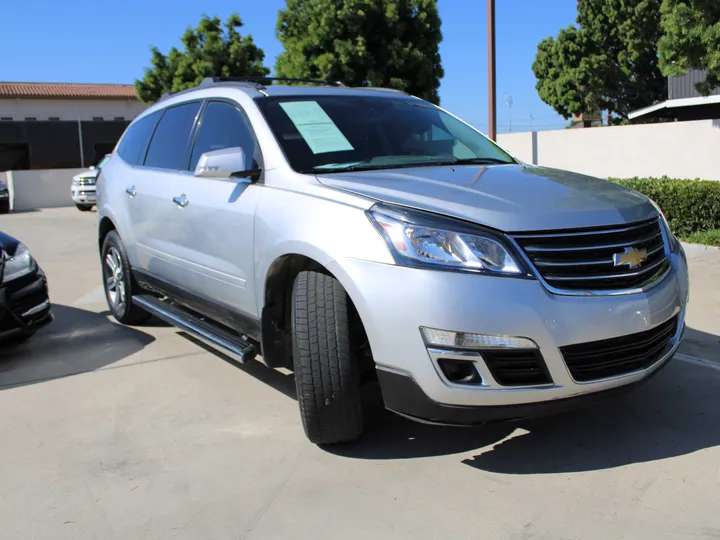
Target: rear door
{"points": [[213, 233], [155, 216], [128, 181]]}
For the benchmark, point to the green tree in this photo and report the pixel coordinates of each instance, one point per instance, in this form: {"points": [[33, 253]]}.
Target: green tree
{"points": [[608, 62], [691, 40], [208, 50], [392, 43]]}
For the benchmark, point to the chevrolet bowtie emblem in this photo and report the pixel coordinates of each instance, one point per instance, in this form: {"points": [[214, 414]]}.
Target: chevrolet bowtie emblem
{"points": [[631, 257]]}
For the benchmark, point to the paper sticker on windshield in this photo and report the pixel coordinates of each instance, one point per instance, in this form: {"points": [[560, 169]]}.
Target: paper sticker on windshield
{"points": [[316, 127]]}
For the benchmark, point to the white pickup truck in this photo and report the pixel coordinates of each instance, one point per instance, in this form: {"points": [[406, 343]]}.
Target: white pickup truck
{"points": [[82, 190]]}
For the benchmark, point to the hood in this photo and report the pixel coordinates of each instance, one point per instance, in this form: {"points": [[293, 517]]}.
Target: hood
{"points": [[8, 244], [510, 198], [86, 174]]}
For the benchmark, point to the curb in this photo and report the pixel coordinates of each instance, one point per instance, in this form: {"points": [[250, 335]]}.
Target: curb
{"points": [[695, 250]]}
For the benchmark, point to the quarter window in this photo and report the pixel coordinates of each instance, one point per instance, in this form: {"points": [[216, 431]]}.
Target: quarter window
{"points": [[224, 126], [134, 142], [169, 145]]}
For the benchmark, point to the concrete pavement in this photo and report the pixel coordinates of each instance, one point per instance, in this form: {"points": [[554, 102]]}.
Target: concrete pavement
{"points": [[115, 432]]}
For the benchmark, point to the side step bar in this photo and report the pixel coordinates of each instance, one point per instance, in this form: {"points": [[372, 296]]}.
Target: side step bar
{"points": [[233, 345]]}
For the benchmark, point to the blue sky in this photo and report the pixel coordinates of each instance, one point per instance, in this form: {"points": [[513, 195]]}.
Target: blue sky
{"points": [[108, 42]]}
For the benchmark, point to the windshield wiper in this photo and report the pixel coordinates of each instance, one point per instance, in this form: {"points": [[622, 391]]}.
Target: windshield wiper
{"points": [[478, 161], [430, 163], [377, 166]]}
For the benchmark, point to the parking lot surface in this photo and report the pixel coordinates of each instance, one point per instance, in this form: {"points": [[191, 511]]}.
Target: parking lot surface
{"points": [[133, 433]]}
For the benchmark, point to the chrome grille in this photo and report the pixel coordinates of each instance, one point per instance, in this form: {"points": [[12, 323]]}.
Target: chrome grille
{"points": [[584, 260], [86, 181]]}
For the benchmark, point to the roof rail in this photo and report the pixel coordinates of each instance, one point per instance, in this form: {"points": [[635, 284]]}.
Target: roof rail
{"points": [[259, 81], [254, 82], [381, 89]]}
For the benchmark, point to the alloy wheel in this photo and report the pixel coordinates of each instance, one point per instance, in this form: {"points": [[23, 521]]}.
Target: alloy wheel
{"points": [[115, 279]]}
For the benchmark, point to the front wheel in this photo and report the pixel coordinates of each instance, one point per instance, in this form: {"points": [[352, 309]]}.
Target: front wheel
{"points": [[327, 376], [118, 282], [84, 207]]}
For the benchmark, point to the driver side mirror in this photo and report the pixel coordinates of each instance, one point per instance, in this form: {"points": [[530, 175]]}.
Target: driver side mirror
{"points": [[226, 164]]}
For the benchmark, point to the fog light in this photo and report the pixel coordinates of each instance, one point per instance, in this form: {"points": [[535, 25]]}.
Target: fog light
{"points": [[462, 340], [460, 371]]}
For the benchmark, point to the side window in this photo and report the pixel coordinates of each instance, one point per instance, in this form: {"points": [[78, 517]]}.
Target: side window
{"points": [[134, 142], [169, 146], [224, 126]]}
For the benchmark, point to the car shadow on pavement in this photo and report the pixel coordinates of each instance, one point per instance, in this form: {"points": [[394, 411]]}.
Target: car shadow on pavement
{"points": [[701, 344], [77, 341], [676, 413], [282, 382]]}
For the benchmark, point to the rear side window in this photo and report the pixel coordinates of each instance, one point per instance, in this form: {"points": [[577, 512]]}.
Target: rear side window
{"points": [[134, 142], [169, 146], [224, 126]]}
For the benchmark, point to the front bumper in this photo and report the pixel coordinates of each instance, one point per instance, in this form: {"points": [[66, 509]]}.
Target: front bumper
{"points": [[83, 194], [24, 305], [394, 302]]}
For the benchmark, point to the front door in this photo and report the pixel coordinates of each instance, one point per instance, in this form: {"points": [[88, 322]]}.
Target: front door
{"points": [[211, 221]]}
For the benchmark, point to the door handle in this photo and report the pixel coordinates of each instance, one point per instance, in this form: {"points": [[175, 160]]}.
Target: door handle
{"points": [[131, 191], [182, 201]]}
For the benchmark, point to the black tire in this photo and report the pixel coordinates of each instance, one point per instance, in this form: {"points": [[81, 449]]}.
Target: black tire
{"points": [[124, 311], [84, 207], [327, 377], [5, 207]]}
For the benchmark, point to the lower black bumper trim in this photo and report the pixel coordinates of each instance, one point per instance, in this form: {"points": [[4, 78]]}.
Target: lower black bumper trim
{"points": [[403, 396]]}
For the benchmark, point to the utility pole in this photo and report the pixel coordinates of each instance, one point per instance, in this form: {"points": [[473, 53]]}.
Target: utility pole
{"points": [[509, 103], [80, 138], [492, 112], [531, 118]]}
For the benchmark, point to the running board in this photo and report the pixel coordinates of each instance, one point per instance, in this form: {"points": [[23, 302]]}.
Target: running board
{"points": [[232, 345]]}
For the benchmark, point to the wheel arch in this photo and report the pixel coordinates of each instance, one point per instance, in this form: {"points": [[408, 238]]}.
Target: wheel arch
{"points": [[276, 297], [104, 227]]}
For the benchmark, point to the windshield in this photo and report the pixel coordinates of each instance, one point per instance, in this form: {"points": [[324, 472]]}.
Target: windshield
{"points": [[321, 134], [103, 161]]}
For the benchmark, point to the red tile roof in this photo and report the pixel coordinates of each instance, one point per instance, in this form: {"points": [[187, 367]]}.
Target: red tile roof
{"points": [[66, 90]]}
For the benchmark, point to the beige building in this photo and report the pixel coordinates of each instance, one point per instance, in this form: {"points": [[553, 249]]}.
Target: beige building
{"points": [[57, 125]]}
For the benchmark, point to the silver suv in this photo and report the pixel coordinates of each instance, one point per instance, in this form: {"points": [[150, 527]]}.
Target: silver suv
{"points": [[362, 235]]}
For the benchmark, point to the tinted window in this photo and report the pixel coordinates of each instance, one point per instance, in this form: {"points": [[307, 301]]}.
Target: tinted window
{"points": [[224, 126], [333, 133], [133, 144], [169, 146]]}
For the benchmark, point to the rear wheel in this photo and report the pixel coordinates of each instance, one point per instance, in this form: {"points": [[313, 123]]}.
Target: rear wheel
{"points": [[84, 207], [118, 282], [327, 375]]}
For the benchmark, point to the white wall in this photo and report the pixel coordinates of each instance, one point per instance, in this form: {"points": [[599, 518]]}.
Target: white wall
{"points": [[70, 109], [675, 149], [40, 189]]}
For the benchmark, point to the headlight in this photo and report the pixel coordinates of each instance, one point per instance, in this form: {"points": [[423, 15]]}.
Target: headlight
{"points": [[19, 264], [420, 239], [672, 239], [75, 182]]}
